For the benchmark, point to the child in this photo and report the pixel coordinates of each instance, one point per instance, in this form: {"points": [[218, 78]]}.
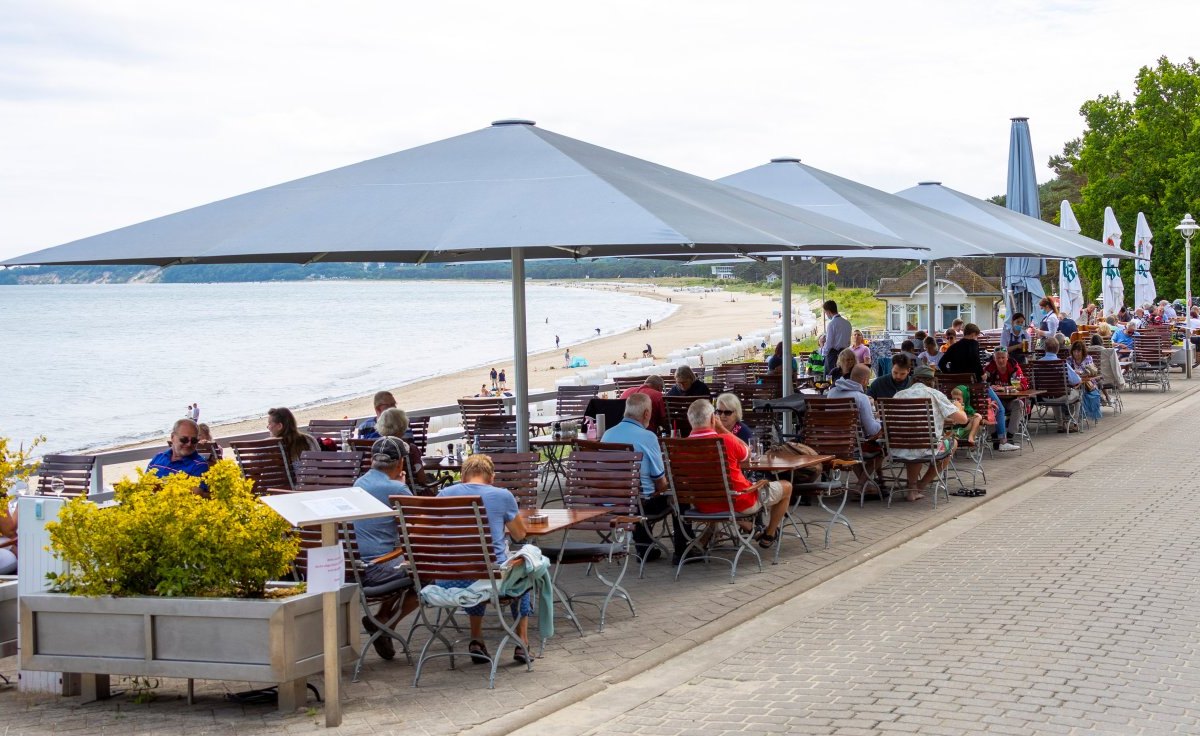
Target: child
{"points": [[930, 356], [961, 396], [951, 336]]}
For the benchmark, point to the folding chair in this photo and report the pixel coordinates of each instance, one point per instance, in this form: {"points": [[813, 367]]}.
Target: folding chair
{"points": [[448, 538], [572, 401], [264, 462], [831, 427], [471, 409], [331, 428], [495, 433], [609, 481], [75, 472], [1050, 376], [677, 407], [697, 473], [1150, 364], [908, 424], [318, 471], [518, 473]]}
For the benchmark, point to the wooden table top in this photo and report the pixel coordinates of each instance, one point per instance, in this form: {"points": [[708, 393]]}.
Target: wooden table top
{"points": [[1027, 393], [558, 519], [545, 440], [786, 463]]}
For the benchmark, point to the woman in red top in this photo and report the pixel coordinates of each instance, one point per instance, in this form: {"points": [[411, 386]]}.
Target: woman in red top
{"points": [[774, 496]]}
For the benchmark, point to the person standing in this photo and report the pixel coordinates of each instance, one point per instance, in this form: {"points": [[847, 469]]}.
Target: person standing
{"points": [[196, 412], [837, 332], [503, 380], [556, 342], [567, 359], [495, 379]]}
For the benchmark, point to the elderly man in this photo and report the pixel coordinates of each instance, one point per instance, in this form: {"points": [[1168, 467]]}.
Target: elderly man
{"points": [[854, 387], [378, 537], [631, 430], [653, 388], [944, 412], [1168, 311], [686, 384], [772, 498], [383, 400], [181, 457], [1073, 380], [1123, 337], [837, 332]]}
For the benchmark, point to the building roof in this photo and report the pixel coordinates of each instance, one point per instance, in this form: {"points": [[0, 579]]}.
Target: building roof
{"points": [[954, 271]]}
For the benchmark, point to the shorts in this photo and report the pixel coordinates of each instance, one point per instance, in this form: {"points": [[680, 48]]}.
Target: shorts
{"points": [[522, 606], [768, 496]]}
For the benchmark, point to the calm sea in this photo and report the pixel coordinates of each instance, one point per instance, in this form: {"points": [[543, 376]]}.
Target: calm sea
{"points": [[94, 365]]}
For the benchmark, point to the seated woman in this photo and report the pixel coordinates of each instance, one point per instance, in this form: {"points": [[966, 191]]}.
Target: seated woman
{"points": [[858, 345], [961, 397], [846, 361], [281, 423], [930, 356], [729, 411], [8, 540], [478, 473], [1089, 373]]}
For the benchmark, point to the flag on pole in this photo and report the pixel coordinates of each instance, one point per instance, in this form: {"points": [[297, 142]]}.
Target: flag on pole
{"points": [[831, 267], [1070, 288], [1113, 289], [1143, 283]]}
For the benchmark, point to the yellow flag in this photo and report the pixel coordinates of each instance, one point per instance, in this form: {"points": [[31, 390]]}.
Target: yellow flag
{"points": [[831, 267]]}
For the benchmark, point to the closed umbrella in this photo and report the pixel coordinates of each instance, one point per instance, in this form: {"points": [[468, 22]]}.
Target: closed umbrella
{"points": [[1022, 278], [1070, 289], [1143, 282], [1113, 289]]}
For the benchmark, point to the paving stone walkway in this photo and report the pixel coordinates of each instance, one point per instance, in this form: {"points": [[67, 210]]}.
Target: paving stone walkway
{"points": [[988, 615]]}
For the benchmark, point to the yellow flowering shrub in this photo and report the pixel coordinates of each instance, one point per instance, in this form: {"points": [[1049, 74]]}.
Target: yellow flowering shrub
{"points": [[164, 538], [15, 465]]}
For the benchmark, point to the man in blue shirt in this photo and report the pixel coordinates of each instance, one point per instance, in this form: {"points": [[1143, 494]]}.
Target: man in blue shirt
{"points": [[1072, 397], [1124, 336], [632, 431], [181, 457], [378, 537], [383, 401]]}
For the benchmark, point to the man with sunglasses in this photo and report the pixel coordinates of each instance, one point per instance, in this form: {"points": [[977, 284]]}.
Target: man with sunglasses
{"points": [[181, 457]]}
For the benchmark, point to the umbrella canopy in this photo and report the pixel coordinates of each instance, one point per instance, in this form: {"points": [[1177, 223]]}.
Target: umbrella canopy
{"points": [[1070, 288], [1023, 275], [1143, 282], [1113, 288], [466, 198]]}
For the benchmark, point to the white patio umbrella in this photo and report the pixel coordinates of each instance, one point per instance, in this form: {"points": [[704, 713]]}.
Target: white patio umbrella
{"points": [[1070, 288], [1113, 288], [1143, 282]]}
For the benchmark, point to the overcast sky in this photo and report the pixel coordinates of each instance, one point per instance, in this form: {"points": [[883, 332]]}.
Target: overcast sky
{"points": [[115, 112]]}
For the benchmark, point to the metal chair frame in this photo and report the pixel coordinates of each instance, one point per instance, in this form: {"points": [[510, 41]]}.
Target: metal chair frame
{"points": [[908, 424]]}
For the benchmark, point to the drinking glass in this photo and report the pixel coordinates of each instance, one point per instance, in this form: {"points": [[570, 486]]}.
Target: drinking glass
{"points": [[57, 486]]}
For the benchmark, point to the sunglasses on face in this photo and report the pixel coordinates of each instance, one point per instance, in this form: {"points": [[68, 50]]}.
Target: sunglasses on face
{"points": [[188, 440], [725, 412]]}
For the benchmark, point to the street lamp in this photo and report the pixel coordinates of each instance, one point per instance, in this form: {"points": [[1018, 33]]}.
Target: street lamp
{"points": [[1187, 228]]}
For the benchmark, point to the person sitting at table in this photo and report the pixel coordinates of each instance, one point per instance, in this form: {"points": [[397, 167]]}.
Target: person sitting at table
{"points": [[1123, 338], [652, 387], [909, 348], [960, 396], [816, 361], [1073, 380], [858, 346], [944, 412], [846, 360], [281, 423], [775, 362], [949, 338], [504, 520], [772, 498], [963, 357], [8, 539], [1089, 383], [871, 430], [729, 411], [957, 325], [930, 356], [181, 455], [378, 537], [393, 423], [919, 337], [885, 387], [1123, 314], [686, 384], [1191, 326], [631, 430], [382, 401], [1090, 314], [1001, 370]]}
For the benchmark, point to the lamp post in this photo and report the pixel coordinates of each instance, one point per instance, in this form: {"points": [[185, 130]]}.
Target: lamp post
{"points": [[1187, 228]]}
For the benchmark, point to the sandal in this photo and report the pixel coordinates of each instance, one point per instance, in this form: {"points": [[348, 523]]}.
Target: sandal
{"points": [[767, 541], [478, 651], [521, 656]]}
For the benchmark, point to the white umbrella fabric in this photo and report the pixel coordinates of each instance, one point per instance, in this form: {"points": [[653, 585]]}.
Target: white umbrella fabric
{"points": [[1143, 282], [1113, 288], [1070, 288]]}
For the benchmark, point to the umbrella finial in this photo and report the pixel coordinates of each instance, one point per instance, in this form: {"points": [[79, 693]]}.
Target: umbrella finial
{"points": [[513, 121], [785, 160], [929, 183]]}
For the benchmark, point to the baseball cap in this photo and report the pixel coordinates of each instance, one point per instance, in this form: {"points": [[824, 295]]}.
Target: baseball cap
{"points": [[923, 371], [389, 446]]}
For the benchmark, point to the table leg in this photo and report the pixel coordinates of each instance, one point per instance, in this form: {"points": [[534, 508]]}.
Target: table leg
{"points": [[94, 687], [293, 694]]}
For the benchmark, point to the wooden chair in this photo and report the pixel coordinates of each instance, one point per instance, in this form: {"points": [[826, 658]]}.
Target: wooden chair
{"points": [[471, 409], [1050, 376], [75, 471], [448, 538], [210, 451], [1150, 364], [263, 462], [609, 481], [572, 401], [331, 428], [318, 471], [697, 473], [518, 473], [419, 426], [677, 407], [495, 433], [628, 382], [831, 427], [908, 425]]}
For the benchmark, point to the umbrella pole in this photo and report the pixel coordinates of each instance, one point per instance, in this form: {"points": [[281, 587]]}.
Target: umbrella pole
{"points": [[788, 378], [520, 351], [931, 284]]}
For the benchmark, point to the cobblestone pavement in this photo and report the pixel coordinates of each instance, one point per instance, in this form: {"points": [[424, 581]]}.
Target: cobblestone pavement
{"points": [[989, 633], [1075, 610]]}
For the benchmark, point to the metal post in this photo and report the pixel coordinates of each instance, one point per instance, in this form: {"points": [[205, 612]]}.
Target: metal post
{"points": [[931, 284], [329, 625], [824, 318], [520, 351], [1187, 305], [788, 378]]}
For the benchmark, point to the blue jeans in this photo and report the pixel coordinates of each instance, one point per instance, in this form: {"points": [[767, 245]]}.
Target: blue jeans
{"points": [[1001, 422]]}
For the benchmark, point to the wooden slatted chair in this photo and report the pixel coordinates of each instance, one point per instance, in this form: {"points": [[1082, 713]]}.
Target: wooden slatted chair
{"points": [[627, 382], [946, 383], [518, 473], [609, 481], [1050, 376], [495, 433], [331, 428], [448, 538], [318, 471], [656, 525], [677, 418], [471, 409], [263, 462], [75, 472], [1150, 365], [419, 427], [831, 427], [908, 425], [697, 473], [572, 401]]}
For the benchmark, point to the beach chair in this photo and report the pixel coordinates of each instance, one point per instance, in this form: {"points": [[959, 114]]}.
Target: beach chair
{"points": [[318, 471], [75, 472], [263, 462]]}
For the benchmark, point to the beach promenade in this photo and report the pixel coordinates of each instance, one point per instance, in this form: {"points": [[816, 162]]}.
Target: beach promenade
{"points": [[1061, 602]]}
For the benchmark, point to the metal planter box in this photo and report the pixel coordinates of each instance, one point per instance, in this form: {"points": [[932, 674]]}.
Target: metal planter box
{"points": [[8, 616], [276, 640]]}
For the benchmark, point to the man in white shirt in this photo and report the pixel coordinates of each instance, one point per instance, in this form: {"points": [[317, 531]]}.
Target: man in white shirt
{"points": [[944, 411]]}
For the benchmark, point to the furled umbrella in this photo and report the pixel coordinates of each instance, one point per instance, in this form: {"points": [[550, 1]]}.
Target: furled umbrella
{"points": [[1070, 288], [1022, 276], [1143, 282], [1113, 289]]}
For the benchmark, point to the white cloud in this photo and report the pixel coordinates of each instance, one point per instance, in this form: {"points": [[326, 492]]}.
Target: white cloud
{"points": [[114, 113]]}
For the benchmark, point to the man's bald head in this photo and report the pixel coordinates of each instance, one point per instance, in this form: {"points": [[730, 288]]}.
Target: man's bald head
{"points": [[861, 374]]}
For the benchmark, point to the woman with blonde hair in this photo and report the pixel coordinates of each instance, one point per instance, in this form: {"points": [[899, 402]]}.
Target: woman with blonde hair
{"points": [[729, 412], [858, 345]]}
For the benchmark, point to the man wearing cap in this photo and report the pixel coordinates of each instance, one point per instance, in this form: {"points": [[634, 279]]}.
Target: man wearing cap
{"points": [[181, 456], [944, 412], [378, 537], [382, 401]]}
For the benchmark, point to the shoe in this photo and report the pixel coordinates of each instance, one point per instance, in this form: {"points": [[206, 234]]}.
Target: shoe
{"points": [[383, 643], [478, 651], [521, 656], [1008, 447]]}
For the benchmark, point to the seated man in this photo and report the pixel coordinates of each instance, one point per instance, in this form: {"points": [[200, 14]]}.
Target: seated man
{"points": [[378, 537], [1123, 338], [686, 384], [182, 456], [382, 400], [631, 430], [1073, 380], [944, 411], [854, 387], [652, 387], [774, 496], [885, 387], [478, 473]]}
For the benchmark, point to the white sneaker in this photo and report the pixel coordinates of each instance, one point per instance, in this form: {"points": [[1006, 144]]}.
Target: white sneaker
{"points": [[1008, 447]]}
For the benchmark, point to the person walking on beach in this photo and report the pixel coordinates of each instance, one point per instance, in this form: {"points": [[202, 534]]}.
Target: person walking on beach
{"points": [[597, 332], [556, 342], [503, 381], [567, 359], [495, 379], [187, 413]]}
